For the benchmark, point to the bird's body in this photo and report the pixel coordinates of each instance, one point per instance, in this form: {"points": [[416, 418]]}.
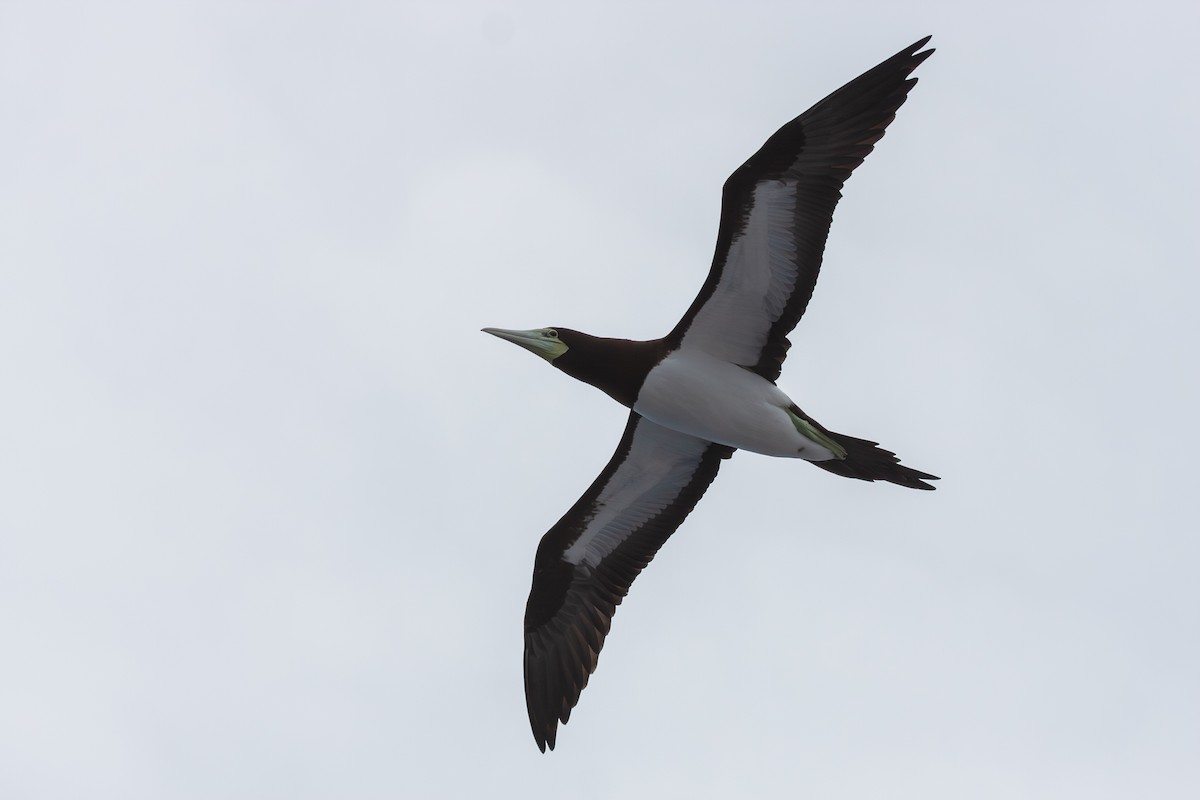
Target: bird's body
{"points": [[706, 389], [695, 393]]}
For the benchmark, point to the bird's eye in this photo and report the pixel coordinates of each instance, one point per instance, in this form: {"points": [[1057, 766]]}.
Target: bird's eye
{"points": [[551, 334]]}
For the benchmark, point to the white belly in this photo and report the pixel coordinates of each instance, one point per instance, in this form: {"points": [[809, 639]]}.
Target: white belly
{"points": [[694, 393]]}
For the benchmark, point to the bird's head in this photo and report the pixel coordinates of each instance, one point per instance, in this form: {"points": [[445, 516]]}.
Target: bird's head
{"points": [[549, 343], [614, 366]]}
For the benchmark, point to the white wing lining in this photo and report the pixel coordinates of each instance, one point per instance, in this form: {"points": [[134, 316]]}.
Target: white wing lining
{"points": [[660, 464], [758, 277]]}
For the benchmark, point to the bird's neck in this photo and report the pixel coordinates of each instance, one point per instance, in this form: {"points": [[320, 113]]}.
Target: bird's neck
{"points": [[616, 367]]}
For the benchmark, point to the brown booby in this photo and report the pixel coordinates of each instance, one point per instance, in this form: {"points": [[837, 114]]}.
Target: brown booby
{"points": [[705, 389]]}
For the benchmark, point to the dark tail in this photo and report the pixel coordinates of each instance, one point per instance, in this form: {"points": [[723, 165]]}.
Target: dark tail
{"points": [[867, 461]]}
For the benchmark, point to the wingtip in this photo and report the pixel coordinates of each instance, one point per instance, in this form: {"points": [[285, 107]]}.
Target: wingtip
{"points": [[544, 730], [911, 52], [545, 742]]}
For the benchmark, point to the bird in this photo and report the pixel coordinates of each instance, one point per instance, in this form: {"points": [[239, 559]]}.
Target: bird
{"points": [[707, 388]]}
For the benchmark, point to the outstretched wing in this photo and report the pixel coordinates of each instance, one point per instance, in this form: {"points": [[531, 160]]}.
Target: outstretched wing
{"points": [[775, 215], [587, 561]]}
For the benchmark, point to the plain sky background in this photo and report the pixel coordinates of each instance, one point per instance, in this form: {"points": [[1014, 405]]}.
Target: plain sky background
{"points": [[269, 500]]}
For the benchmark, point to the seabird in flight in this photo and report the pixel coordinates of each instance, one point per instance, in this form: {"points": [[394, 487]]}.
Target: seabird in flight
{"points": [[705, 389]]}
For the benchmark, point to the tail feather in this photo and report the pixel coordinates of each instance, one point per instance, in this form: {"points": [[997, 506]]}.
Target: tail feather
{"points": [[867, 461]]}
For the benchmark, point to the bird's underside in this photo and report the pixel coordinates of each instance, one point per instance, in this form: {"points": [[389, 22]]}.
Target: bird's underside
{"points": [[707, 388]]}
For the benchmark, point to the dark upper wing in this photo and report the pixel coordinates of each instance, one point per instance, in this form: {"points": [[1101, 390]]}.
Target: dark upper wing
{"points": [[775, 215], [587, 561]]}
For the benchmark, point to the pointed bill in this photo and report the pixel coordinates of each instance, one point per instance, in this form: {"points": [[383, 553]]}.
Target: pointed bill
{"points": [[540, 341]]}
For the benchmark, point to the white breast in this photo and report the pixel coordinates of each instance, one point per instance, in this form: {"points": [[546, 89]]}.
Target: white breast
{"points": [[695, 393]]}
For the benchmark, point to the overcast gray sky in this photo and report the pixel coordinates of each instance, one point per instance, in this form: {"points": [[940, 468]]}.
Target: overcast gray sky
{"points": [[269, 500]]}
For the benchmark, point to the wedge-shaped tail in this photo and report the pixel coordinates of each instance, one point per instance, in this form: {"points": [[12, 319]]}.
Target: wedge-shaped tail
{"points": [[867, 461]]}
